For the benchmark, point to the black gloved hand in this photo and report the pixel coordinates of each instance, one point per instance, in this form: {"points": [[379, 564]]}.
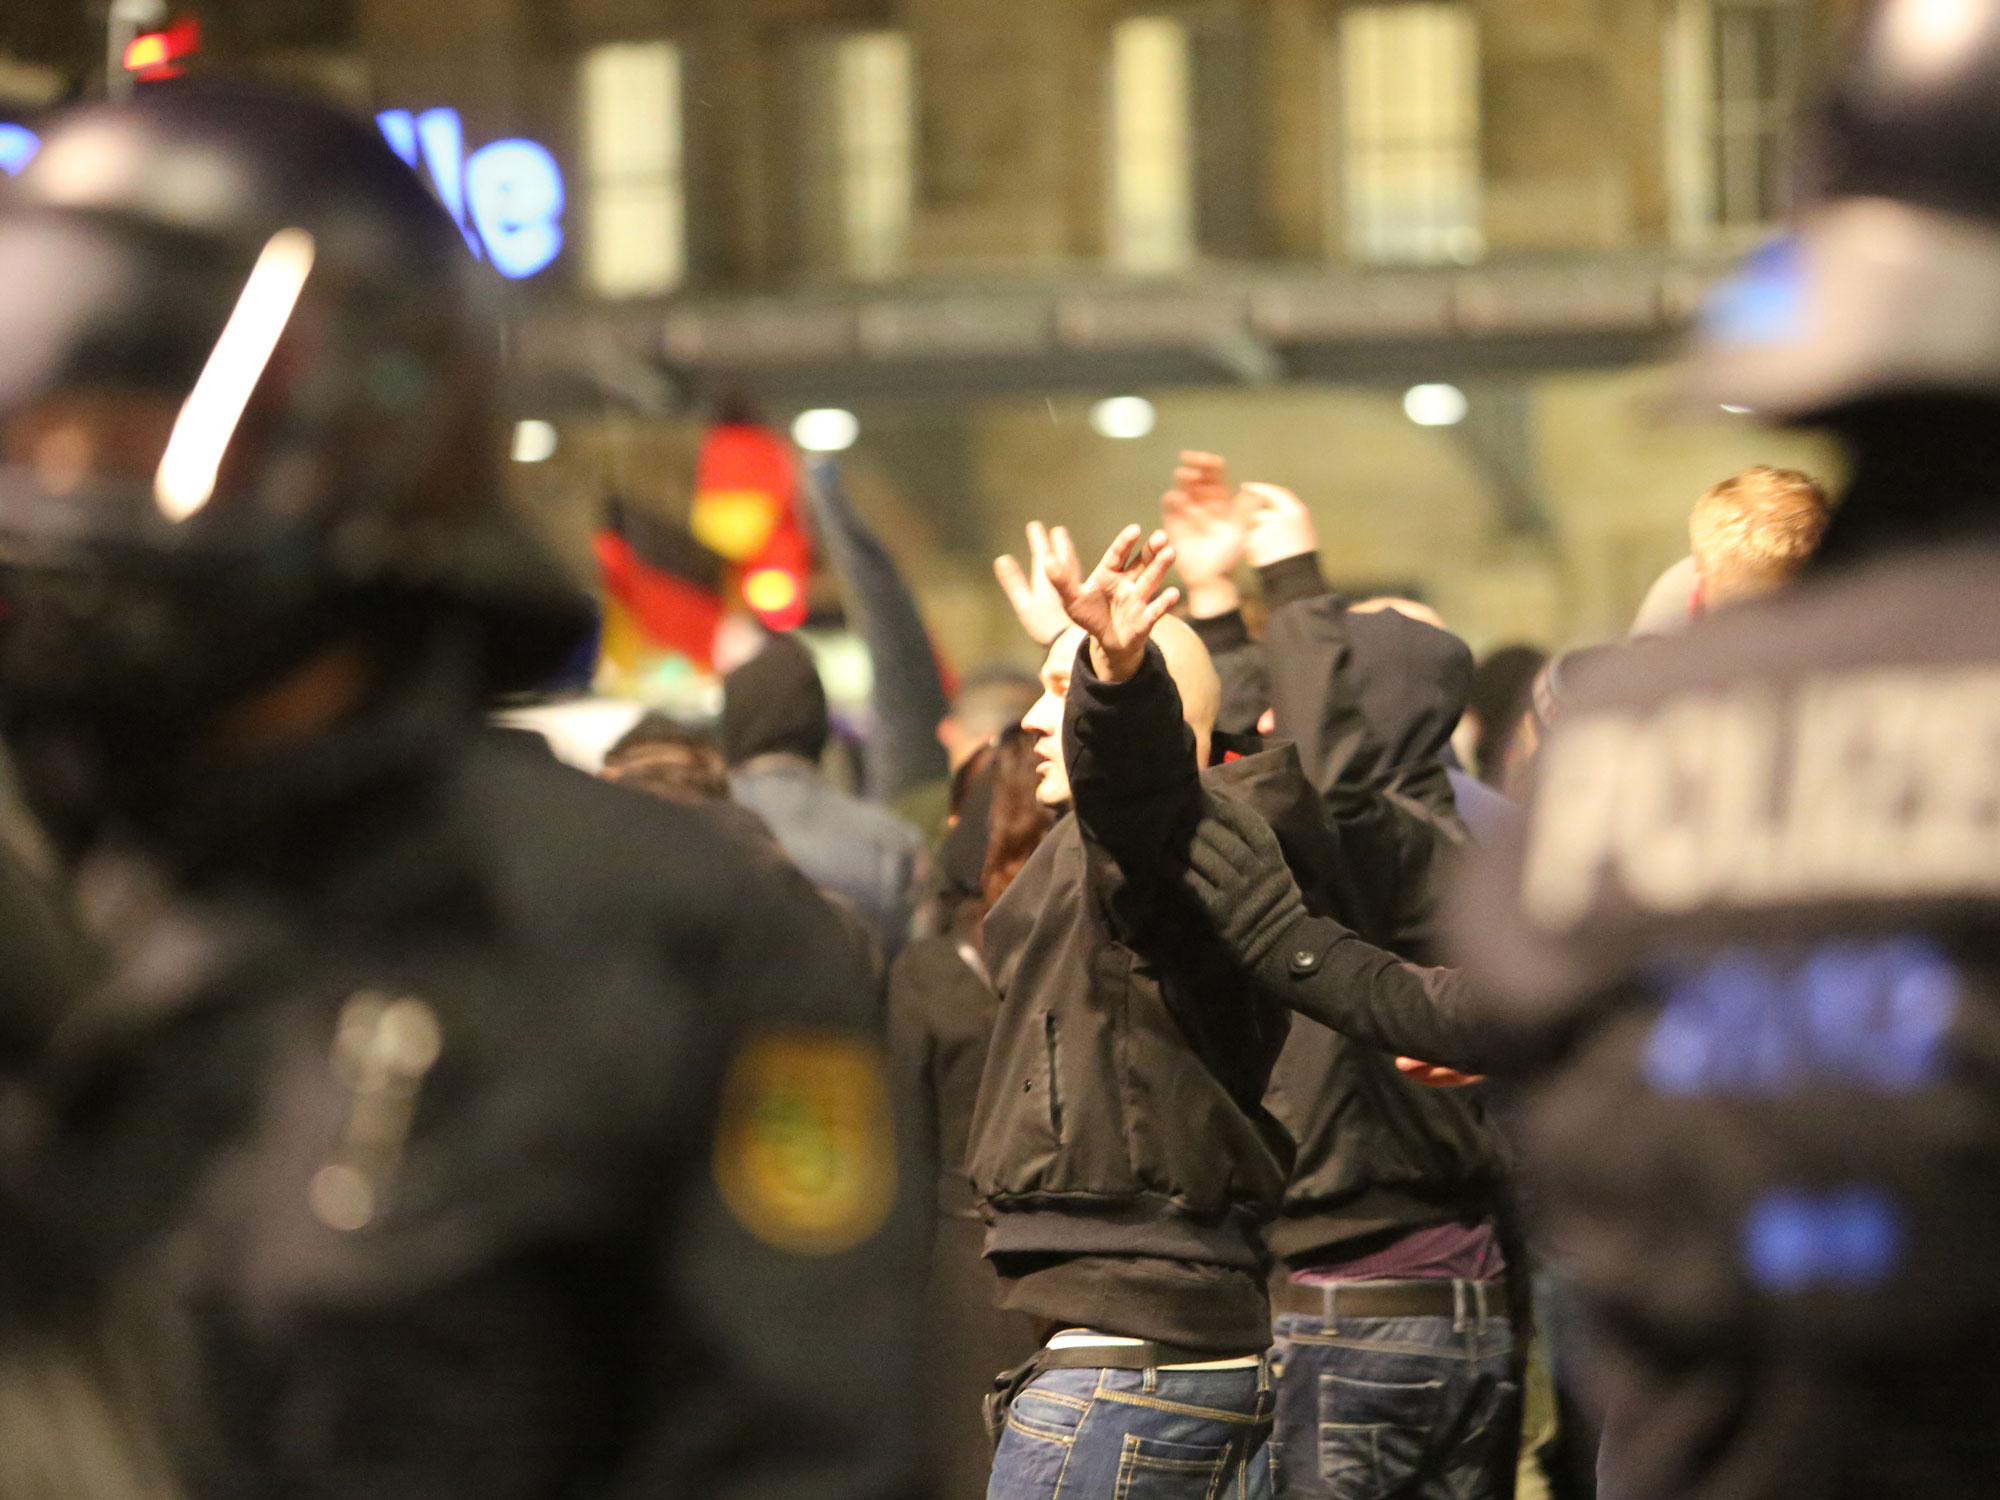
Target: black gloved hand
{"points": [[1237, 872]]}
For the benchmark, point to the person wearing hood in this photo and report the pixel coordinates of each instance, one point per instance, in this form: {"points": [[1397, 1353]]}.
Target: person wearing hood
{"points": [[774, 730], [1397, 1351], [1412, 677]]}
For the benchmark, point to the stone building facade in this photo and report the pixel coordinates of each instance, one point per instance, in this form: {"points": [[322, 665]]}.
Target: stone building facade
{"points": [[1522, 198]]}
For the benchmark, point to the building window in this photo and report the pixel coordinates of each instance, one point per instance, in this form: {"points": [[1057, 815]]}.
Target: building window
{"points": [[1733, 81], [636, 240], [876, 103], [857, 112], [1407, 81], [1152, 147]]}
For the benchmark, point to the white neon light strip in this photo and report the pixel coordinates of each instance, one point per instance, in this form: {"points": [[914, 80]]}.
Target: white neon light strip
{"points": [[208, 421]]}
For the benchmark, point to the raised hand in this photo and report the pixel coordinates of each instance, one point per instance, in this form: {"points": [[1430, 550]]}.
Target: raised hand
{"points": [[1204, 521], [1035, 603], [1279, 525], [1115, 605]]}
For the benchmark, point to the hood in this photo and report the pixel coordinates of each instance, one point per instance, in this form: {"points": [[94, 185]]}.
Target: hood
{"points": [[1413, 694], [774, 704]]}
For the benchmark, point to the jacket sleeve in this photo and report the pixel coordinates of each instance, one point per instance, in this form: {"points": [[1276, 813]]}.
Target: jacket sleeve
{"points": [[913, 1054], [1239, 665], [1327, 974], [909, 697], [1321, 969], [1131, 762]]}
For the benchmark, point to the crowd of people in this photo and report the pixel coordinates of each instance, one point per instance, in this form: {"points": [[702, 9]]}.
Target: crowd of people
{"points": [[1263, 1053], [1155, 1178]]}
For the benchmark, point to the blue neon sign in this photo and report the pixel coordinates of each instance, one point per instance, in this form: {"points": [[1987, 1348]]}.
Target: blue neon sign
{"points": [[18, 146], [507, 197]]}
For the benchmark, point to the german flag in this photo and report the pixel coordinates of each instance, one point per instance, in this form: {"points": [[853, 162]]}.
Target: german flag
{"points": [[746, 509], [664, 589]]}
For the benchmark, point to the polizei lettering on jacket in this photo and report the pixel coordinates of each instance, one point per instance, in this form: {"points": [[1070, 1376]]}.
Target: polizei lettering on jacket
{"points": [[1883, 784]]}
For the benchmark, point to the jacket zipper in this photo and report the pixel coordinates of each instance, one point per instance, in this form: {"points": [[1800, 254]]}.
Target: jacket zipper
{"points": [[1055, 1097]]}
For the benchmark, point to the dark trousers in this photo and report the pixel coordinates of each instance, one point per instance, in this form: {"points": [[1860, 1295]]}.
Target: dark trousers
{"points": [[1419, 1408]]}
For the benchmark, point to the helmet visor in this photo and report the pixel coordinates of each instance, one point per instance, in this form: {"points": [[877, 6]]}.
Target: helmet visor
{"points": [[128, 368]]}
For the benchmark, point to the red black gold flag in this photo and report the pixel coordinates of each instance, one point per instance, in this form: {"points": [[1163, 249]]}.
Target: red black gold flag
{"points": [[663, 586], [746, 509]]}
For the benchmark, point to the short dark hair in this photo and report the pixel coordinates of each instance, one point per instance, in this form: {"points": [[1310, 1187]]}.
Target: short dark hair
{"points": [[676, 761], [992, 698]]}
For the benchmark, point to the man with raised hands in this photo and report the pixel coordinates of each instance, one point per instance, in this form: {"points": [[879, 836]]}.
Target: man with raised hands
{"points": [[1120, 1148], [1393, 1213]]}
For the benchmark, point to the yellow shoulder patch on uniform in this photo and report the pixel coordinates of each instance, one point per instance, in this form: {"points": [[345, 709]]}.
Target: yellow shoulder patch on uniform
{"points": [[805, 1153]]}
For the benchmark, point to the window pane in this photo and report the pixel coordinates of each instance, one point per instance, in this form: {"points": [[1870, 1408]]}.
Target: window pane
{"points": [[632, 144], [1409, 91], [1734, 75], [635, 238], [875, 104], [1152, 158]]}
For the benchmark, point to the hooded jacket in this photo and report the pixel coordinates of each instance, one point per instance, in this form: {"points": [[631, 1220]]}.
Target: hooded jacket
{"points": [[1371, 701]]}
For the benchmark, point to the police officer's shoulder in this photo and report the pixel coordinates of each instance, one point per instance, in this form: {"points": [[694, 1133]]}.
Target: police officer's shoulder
{"points": [[1721, 786], [1930, 607], [602, 847]]}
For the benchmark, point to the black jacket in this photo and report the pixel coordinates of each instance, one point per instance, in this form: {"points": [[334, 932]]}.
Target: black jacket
{"points": [[941, 1013], [1370, 700], [1121, 1110], [632, 1230], [1752, 923]]}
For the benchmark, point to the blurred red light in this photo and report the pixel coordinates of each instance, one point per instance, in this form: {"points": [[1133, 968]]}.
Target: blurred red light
{"points": [[155, 53]]}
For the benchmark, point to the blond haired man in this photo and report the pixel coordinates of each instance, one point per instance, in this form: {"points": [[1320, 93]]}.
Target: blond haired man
{"points": [[1752, 533], [1748, 535]]}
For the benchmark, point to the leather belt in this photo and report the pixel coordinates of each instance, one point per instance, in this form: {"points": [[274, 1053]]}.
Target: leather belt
{"points": [[1457, 1300], [1145, 1355]]}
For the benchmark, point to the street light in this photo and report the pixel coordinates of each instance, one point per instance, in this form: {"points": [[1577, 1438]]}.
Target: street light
{"points": [[534, 442], [1435, 405], [1123, 417], [826, 429]]}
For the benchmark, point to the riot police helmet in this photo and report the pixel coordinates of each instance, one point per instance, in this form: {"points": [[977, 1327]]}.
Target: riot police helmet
{"points": [[1887, 286], [244, 383]]}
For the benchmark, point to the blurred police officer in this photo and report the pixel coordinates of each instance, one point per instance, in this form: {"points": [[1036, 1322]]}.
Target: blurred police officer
{"points": [[1762, 876], [449, 1123], [1746, 952]]}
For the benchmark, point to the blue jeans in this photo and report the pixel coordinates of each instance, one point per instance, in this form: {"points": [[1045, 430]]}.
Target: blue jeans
{"points": [[1418, 1408], [1137, 1435]]}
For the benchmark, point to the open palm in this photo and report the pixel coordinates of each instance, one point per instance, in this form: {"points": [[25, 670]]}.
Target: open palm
{"points": [[1035, 603], [1203, 519], [1117, 605]]}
